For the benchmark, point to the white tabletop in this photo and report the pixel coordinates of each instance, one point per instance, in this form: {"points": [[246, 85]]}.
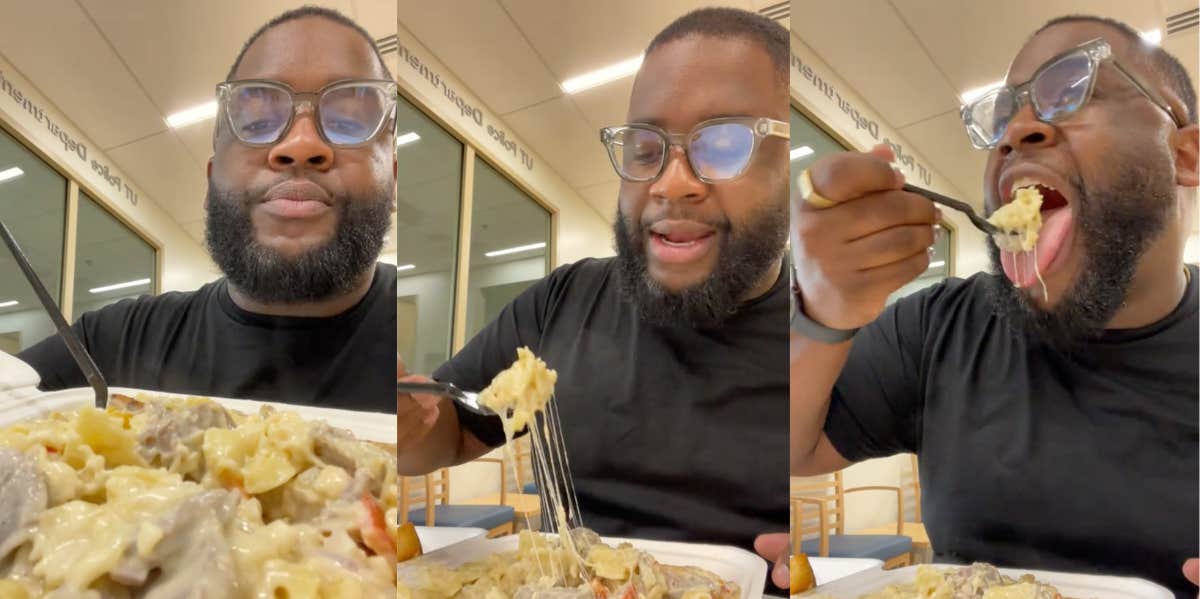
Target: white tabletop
{"points": [[436, 537], [829, 569]]}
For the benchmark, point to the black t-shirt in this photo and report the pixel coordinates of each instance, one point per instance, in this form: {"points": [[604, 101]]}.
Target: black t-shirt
{"points": [[672, 433], [1029, 457], [201, 342]]}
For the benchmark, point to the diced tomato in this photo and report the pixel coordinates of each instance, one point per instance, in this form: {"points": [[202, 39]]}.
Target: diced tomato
{"points": [[598, 589]]}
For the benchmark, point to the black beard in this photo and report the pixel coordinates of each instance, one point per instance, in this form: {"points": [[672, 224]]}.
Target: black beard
{"points": [[1116, 226], [745, 258], [267, 276]]}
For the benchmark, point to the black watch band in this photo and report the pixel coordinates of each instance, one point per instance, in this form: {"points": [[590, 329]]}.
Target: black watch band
{"points": [[803, 325]]}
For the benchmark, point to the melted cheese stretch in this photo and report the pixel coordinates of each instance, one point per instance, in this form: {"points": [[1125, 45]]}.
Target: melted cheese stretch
{"points": [[296, 527], [1022, 216]]}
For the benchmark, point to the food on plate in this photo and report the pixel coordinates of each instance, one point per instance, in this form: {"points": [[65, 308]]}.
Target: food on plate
{"points": [[801, 574], [977, 581], [158, 497], [541, 568], [1019, 220]]}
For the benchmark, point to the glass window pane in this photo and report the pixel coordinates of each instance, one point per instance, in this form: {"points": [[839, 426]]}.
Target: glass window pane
{"points": [[510, 240], [111, 261], [429, 194], [33, 204]]}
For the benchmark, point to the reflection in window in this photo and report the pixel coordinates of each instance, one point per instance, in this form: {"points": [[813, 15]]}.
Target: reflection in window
{"points": [[510, 241], [33, 204], [809, 142], [111, 261], [429, 191]]}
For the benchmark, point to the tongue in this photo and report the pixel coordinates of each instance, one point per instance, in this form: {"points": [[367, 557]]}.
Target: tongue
{"points": [[1019, 267]]}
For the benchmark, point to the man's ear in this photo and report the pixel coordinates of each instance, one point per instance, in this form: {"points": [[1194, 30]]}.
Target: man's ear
{"points": [[1187, 156]]}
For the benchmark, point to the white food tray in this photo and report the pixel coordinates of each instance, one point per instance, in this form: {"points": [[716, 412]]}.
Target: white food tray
{"points": [[366, 426], [829, 569], [1077, 586], [736, 565]]}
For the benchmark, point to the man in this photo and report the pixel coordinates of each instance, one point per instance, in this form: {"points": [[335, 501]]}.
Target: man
{"points": [[670, 356], [296, 215], [1056, 425]]}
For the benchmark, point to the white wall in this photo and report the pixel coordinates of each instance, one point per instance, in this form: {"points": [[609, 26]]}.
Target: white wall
{"points": [[527, 269], [582, 232], [185, 263]]}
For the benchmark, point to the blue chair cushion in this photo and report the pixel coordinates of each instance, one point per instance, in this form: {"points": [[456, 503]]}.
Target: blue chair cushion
{"points": [[881, 547], [486, 517], [530, 488]]}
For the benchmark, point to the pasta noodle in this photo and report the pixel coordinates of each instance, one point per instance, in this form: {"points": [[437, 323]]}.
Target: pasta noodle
{"points": [[1019, 222], [154, 496], [573, 564]]}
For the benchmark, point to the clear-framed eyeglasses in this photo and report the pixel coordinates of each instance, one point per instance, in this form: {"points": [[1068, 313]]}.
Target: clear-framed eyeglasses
{"points": [[347, 113], [718, 149]]}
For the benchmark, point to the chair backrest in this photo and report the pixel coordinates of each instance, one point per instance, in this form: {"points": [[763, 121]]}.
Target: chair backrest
{"points": [[524, 462], [910, 491], [828, 489], [416, 492]]}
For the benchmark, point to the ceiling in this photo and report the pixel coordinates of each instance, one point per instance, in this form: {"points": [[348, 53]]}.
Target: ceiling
{"points": [[512, 55], [117, 68], [909, 59]]}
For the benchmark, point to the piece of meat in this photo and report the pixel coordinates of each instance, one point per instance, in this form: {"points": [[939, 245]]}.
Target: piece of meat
{"points": [[681, 579], [174, 430], [192, 560], [337, 447], [23, 497]]}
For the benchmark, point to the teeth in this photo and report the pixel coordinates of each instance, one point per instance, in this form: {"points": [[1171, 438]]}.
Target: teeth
{"points": [[678, 244]]}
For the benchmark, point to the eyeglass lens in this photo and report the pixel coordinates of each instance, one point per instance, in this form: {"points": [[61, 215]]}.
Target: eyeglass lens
{"points": [[716, 152], [348, 115]]}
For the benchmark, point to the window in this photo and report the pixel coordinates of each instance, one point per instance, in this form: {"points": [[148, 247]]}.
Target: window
{"points": [[111, 261], [33, 204], [510, 245], [429, 193]]}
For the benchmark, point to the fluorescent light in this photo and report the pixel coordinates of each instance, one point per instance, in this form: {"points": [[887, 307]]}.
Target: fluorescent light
{"points": [[601, 76], [407, 138], [11, 173], [801, 152], [136, 283], [8, 303], [519, 248], [1154, 36], [195, 114], [937, 264], [973, 93], [406, 267]]}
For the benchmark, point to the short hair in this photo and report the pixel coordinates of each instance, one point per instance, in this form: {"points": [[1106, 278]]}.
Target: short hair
{"points": [[731, 23], [310, 11], [1160, 62]]}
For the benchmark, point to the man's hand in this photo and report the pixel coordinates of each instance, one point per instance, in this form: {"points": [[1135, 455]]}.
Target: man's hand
{"points": [[774, 548], [851, 256], [416, 413], [1191, 569]]}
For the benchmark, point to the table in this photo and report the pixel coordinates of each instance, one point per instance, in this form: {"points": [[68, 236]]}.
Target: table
{"points": [[436, 537]]}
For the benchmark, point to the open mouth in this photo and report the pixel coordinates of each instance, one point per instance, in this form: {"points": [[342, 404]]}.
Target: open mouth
{"points": [[1038, 217], [678, 241]]}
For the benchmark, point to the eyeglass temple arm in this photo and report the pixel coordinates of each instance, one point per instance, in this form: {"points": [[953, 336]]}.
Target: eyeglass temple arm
{"points": [[1175, 118]]}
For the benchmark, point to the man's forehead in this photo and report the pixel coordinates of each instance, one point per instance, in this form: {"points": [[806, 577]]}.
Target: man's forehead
{"points": [[307, 53], [737, 76], [1059, 38]]}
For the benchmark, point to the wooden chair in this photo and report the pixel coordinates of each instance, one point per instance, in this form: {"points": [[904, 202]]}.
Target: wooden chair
{"points": [[431, 507], [527, 507], [818, 507], [911, 525]]}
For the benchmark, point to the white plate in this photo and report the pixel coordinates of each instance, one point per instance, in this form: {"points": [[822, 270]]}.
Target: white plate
{"points": [[366, 426], [1081, 586], [434, 538], [731, 563]]}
